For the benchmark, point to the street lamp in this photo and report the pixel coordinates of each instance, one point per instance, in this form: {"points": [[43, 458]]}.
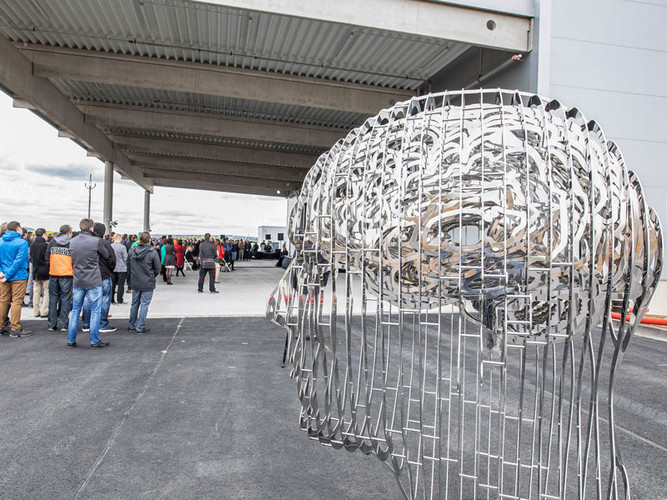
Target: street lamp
{"points": [[90, 186]]}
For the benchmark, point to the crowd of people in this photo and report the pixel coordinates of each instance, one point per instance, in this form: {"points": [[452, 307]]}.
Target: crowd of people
{"points": [[73, 277]]}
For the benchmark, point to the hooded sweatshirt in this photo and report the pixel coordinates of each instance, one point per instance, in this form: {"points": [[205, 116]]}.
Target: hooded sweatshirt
{"points": [[14, 256], [109, 264], [143, 265], [40, 269], [58, 257]]}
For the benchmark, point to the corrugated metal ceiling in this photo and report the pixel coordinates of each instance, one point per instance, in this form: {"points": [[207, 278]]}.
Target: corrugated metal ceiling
{"points": [[201, 103], [189, 31], [223, 141]]}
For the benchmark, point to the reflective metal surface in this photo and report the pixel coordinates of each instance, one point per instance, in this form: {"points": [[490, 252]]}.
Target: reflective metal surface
{"points": [[448, 306]]}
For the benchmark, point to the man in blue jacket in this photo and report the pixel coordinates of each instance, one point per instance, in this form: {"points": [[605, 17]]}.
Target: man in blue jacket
{"points": [[13, 276]]}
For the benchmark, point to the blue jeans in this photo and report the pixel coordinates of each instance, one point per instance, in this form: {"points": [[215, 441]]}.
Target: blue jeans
{"points": [[60, 301], [94, 295], [139, 309], [104, 312]]}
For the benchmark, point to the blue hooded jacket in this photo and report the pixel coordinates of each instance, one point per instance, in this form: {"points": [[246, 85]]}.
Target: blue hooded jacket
{"points": [[14, 256]]}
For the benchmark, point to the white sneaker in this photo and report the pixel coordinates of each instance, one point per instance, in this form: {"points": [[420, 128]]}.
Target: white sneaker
{"points": [[85, 329], [107, 330]]}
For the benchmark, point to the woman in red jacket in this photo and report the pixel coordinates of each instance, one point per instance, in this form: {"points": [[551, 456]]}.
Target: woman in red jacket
{"points": [[221, 258], [180, 259]]}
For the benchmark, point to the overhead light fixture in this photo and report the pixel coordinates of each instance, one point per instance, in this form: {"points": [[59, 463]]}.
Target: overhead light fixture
{"points": [[278, 192]]}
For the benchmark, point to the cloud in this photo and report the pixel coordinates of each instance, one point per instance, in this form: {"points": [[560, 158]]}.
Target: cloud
{"points": [[72, 172], [7, 165]]}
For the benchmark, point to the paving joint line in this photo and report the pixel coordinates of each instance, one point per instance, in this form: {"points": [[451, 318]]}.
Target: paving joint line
{"points": [[118, 426]]}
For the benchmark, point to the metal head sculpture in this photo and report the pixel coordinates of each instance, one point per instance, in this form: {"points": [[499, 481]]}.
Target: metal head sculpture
{"points": [[484, 238]]}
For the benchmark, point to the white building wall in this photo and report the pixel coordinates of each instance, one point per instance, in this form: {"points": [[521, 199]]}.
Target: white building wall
{"points": [[264, 231], [609, 59]]}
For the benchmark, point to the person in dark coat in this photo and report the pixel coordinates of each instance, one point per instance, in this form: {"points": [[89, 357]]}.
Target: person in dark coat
{"points": [[143, 266], [107, 267], [235, 252], [169, 259], [40, 274], [208, 254]]}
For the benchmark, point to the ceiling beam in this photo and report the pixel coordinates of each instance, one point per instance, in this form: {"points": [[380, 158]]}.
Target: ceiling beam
{"points": [[118, 116], [210, 186], [435, 19], [156, 173], [43, 98], [225, 168], [209, 79], [208, 151]]}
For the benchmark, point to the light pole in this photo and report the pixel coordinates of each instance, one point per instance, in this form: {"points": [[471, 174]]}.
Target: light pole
{"points": [[90, 186]]}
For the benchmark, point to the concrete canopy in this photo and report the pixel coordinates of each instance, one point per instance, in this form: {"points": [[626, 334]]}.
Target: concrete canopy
{"points": [[226, 95]]}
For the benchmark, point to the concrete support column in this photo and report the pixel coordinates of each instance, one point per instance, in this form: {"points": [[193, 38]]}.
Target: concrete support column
{"points": [[108, 194], [147, 210]]}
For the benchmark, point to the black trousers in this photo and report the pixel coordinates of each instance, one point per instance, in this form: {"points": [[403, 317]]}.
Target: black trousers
{"points": [[118, 280], [211, 279]]}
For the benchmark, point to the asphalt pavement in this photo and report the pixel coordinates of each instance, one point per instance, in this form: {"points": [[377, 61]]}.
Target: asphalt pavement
{"points": [[199, 408]]}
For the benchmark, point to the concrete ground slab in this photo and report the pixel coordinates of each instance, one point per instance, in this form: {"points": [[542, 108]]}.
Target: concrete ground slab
{"points": [[243, 292]]}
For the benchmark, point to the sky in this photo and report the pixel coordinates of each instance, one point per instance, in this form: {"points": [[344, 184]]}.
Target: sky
{"points": [[43, 184]]}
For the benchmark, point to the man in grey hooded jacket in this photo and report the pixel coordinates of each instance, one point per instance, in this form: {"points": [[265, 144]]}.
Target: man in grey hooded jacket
{"points": [[106, 269], [143, 266], [86, 250]]}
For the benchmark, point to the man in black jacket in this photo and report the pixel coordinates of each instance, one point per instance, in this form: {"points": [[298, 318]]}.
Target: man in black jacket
{"points": [[143, 266], [86, 250], [207, 255], [106, 269], [40, 274]]}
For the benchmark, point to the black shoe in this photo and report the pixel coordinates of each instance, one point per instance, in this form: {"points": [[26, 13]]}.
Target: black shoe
{"points": [[145, 330], [200, 291], [131, 329], [71, 345], [113, 301], [99, 345], [214, 291]]}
